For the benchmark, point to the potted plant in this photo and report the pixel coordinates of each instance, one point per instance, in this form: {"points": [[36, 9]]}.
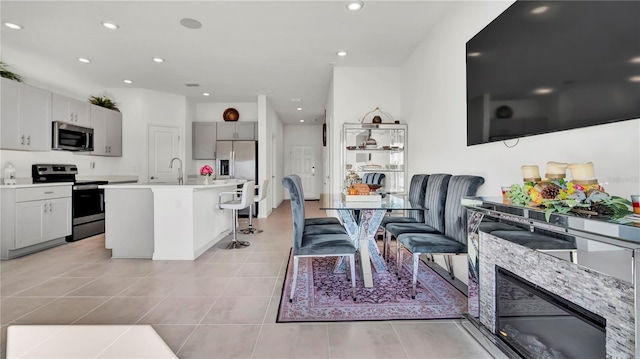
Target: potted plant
{"points": [[8, 74], [104, 101]]}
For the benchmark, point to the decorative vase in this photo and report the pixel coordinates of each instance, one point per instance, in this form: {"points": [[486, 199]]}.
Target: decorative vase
{"points": [[206, 180]]}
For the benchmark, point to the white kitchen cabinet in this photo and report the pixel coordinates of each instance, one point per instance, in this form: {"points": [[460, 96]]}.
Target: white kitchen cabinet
{"points": [[69, 110], [236, 131], [34, 218], [107, 131], [204, 141], [26, 117]]}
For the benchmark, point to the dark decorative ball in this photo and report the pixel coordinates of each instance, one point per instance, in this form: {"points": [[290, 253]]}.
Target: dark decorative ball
{"points": [[504, 112]]}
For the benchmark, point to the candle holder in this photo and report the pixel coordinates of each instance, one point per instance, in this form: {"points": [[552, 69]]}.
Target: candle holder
{"points": [[530, 173], [583, 173], [556, 170]]}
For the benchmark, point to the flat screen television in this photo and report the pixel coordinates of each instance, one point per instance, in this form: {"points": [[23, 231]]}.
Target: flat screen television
{"points": [[544, 66]]}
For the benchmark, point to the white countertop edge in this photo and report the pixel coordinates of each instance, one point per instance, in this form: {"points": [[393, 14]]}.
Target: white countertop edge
{"points": [[167, 186], [30, 185]]}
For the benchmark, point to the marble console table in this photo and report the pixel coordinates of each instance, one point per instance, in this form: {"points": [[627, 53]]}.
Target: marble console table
{"points": [[603, 279], [164, 221]]}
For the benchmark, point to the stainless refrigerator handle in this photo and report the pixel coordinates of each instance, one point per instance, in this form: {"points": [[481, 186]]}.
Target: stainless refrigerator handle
{"points": [[232, 170]]}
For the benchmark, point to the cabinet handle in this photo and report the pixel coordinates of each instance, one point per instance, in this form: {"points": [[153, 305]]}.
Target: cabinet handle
{"points": [[50, 207], [22, 140], [71, 117], [28, 140], [48, 192], [75, 117], [45, 208]]}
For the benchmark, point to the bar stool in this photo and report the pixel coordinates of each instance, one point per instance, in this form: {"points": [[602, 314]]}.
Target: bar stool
{"points": [[262, 193], [236, 204]]}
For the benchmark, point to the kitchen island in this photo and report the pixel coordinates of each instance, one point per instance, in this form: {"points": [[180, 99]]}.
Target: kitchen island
{"points": [[164, 221]]}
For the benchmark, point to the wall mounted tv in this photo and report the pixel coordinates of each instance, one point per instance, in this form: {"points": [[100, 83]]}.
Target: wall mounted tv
{"points": [[549, 66]]}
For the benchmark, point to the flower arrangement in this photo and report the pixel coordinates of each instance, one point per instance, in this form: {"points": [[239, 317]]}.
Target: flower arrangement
{"points": [[558, 195], [206, 170]]}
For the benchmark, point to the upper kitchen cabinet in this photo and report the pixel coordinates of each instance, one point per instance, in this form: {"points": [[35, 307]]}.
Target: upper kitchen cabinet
{"points": [[107, 131], [204, 140], [237, 131], [26, 117], [68, 110]]}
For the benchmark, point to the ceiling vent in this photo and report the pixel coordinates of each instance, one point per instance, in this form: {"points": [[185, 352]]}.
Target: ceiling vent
{"points": [[192, 85]]}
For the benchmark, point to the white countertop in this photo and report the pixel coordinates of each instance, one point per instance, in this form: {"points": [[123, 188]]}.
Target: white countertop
{"points": [[30, 185], [112, 179], [188, 185]]}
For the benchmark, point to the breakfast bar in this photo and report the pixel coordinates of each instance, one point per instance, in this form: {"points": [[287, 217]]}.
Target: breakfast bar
{"points": [[164, 221]]}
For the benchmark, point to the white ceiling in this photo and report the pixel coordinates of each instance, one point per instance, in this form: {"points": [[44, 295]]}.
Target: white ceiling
{"points": [[284, 49]]}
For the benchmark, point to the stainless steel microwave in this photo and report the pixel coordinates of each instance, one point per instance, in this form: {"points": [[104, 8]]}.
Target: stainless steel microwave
{"points": [[71, 137]]}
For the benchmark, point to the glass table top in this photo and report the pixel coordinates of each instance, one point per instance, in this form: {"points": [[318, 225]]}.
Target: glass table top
{"points": [[337, 201]]}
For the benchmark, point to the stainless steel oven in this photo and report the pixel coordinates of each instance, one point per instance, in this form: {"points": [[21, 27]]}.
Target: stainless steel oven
{"points": [[88, 209], [87, 198]]}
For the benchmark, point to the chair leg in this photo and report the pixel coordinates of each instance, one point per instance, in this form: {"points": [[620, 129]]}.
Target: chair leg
{"points": [[448, 260], [295, 278], [352, 267], [414, 278], [387, 245], [250, 229], [399, 255], [234, 242]]}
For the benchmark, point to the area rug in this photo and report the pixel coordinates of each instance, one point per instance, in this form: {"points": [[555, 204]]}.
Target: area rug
{"points": [[324, 296]]}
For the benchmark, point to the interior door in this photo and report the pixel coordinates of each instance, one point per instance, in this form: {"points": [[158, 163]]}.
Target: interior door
{"points": [[163, 145], [303, 163]]}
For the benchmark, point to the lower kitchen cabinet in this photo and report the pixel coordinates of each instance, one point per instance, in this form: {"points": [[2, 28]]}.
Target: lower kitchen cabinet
{"points": [[34, 218]]}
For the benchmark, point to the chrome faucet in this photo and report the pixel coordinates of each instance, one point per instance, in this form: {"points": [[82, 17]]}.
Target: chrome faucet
{"points": [[179, 168]]}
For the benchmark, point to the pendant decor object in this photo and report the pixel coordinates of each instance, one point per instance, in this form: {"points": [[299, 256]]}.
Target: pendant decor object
{"points": [[231, 114], [377, 118]]}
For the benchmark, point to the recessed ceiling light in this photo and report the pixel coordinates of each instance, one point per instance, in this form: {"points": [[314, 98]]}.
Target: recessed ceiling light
{"points": [[635, 60], [127, 81], [110, 25], [301, 120], [296, 100], [542, 91], [355, 5], [539, 10], [634, 78], [158, 59], [13, 26], [474, 54], [84, 60], [299, 108], [342, 53], [205, 94], [190, 23]]}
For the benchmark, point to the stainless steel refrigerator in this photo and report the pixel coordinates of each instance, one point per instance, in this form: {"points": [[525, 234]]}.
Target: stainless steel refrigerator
{"points": [[239, 160]]}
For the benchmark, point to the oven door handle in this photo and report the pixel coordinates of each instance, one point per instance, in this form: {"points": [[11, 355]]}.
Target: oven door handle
{"points": [[85, 187]]}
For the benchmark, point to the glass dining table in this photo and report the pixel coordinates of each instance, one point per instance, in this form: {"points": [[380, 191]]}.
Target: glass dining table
{"points": [[361, 220]]}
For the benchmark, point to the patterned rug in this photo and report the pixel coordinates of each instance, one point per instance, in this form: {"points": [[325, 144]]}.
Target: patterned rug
{"points": [[322, 296]]}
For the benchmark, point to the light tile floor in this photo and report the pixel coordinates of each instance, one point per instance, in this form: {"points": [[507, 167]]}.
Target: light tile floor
{"points": [[223, 305]]}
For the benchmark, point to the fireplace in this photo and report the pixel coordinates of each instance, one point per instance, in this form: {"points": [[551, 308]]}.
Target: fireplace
{"points": [[539, 324]]}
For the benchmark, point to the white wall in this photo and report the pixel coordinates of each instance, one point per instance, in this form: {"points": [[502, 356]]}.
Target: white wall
{"points": [[434, 106], [357, 91], [303, 135], [433, 86]]}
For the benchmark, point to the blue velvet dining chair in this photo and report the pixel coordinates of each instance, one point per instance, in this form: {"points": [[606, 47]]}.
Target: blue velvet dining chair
{"points": [[315, 240], [311, 221], [435, 194], [453, 240]]}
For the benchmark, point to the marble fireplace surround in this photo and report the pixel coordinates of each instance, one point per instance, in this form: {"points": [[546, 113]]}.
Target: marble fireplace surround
{"points": [[611, 298]]}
